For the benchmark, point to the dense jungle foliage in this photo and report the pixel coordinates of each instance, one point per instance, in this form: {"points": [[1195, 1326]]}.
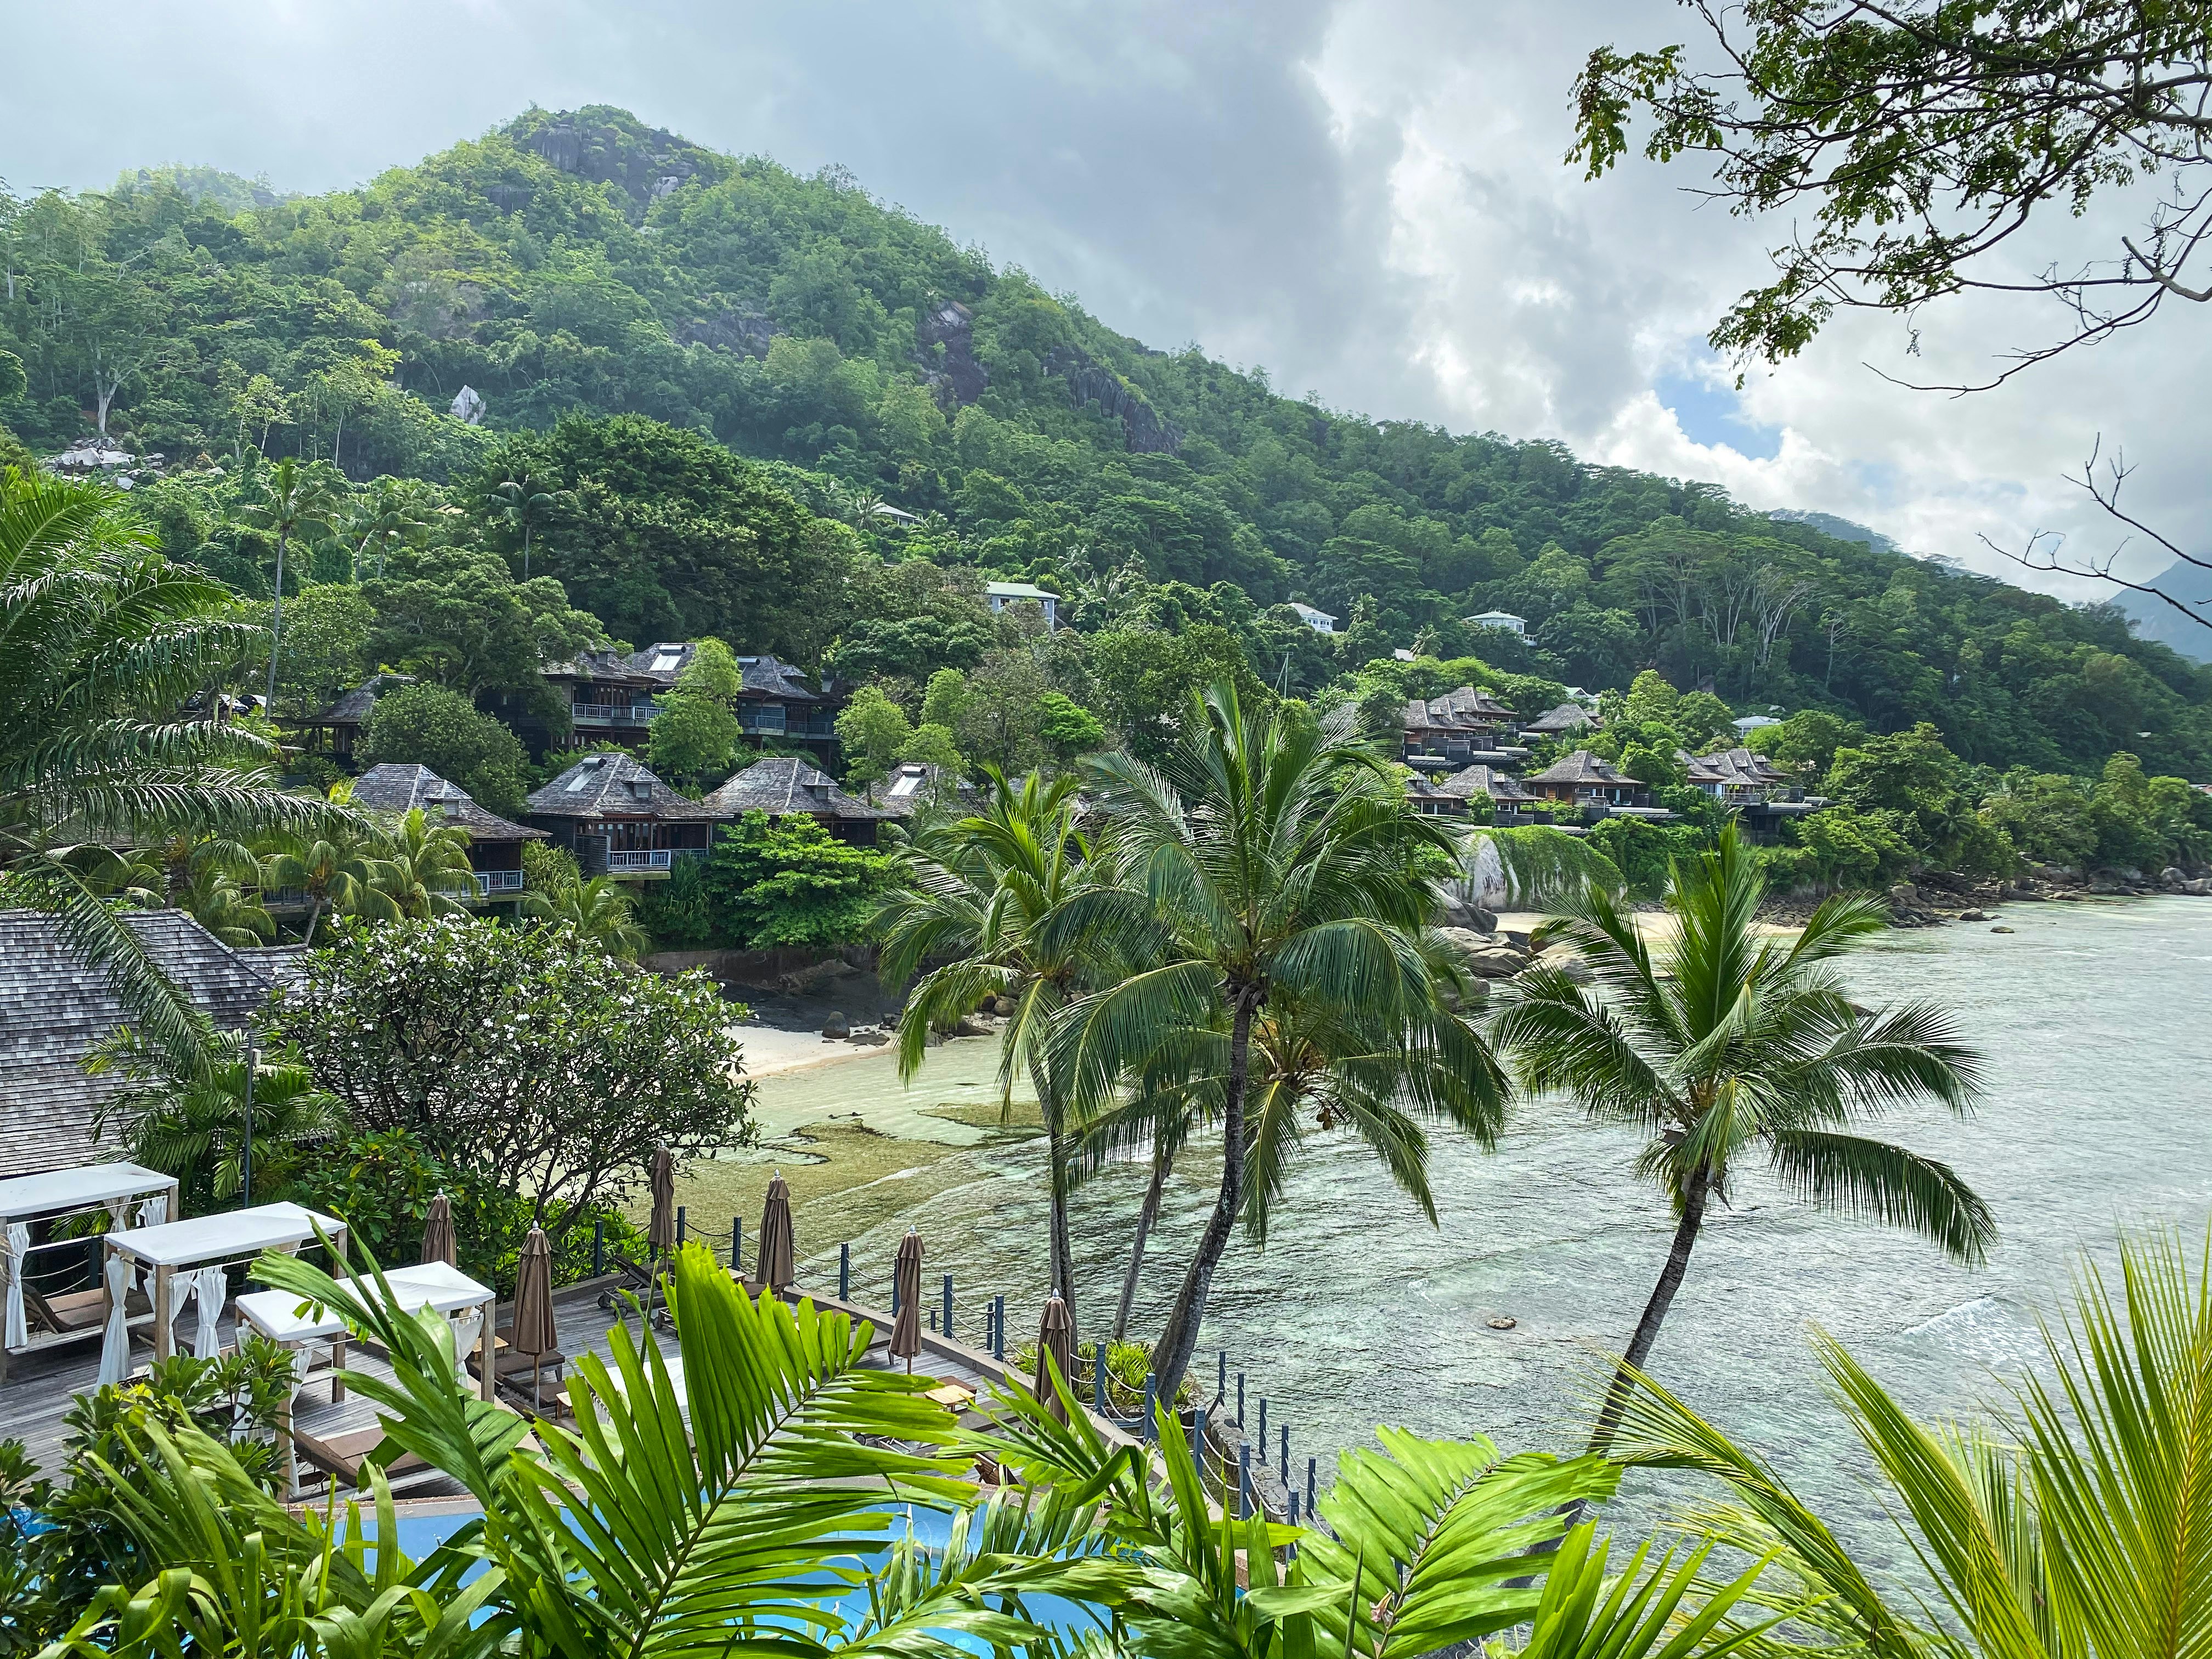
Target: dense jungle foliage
{"points": [[810, 391]]}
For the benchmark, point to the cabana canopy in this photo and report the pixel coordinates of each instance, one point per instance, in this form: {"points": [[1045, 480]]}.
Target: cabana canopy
{"points": [[203, 1243], [53, 1195]]}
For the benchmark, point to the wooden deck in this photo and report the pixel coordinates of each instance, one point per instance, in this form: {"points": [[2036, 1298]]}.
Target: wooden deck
{"points": [[41, 1387]]}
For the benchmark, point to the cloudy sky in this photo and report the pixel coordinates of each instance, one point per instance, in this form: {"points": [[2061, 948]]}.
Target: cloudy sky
{"points": [[1366, 197]]}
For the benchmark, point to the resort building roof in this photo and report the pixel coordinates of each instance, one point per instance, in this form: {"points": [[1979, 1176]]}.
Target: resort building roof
{"points": [[396, 787], [612, 785]]}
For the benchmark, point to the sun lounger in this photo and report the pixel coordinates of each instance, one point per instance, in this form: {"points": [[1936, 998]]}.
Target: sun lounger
{"points": [[345, 1456]]}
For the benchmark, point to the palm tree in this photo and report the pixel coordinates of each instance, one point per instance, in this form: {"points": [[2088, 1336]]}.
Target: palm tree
{"points": [[1313, 1071], [979, 890], [341, 871], [194, 1127], [383, 519], [111, 651], [294, 500], [524, 508], [2069, 1523], [1265, 859], [220, 902], [1722, 1042], [426, 869], [599, 911]]}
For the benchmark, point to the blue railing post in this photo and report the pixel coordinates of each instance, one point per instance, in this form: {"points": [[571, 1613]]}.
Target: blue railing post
{"points": [[1313, 1464], [1283, 1457], [1221, 1381], [599, 1247], [844, 1272], [999, 1336], [1240, 1400], [1262, 1436], [1294, 1506], [1098, 1376], [1151, 1395], [947, 1327], [737, 1246], [679, 1225], [1198, 1442], [1243, 1481]]}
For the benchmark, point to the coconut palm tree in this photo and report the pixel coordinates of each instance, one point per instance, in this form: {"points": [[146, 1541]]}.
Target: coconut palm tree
{"points": [[600, 910], [108, 651], [426, 869], [1722, 1044], [342, 871], [524, 508], [387, 517], [978, 890], [1264, 859], [223, 905], [2069, 1522], [295, 501], [1313, 1071]]}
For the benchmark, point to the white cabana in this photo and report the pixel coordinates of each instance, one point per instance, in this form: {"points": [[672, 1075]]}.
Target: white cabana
{"points": [[207, 1242], [285, 1317], [127, 1192]]}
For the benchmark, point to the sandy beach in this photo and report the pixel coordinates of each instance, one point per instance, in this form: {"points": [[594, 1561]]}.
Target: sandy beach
{"points": [[771, 1048]]}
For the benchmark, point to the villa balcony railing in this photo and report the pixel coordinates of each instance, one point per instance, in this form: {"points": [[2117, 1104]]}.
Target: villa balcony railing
{"points": [[498, 881], [612, 714], [656, 857]]}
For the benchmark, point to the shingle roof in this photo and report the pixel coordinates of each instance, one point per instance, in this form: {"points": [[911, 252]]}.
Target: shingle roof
{"points": [[1567, 717], [396, 787], [1485, 780], [612, 785], [1581, 767], [352, 708], [782, 784], [776, 678], [1465, 709], [54, 1008]]}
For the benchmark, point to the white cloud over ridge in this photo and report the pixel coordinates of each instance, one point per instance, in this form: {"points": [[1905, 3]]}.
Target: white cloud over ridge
{"points": [[1366, 197]]}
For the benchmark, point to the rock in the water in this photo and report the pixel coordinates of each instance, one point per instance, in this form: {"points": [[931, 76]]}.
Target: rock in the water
{"points": [[469, 406], [1462, 913], [2200, 887], [1563, 960], [1503, 1322], [837, 1026], [1002, 1006], [1973, 915], [2001, 930], [1905, 893], [967, 1027]]}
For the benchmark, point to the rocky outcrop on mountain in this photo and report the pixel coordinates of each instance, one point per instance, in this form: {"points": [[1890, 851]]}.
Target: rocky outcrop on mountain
{"points": [[946, 335], [468, 406], [611, 147], [1142, 427], [743, 333]]}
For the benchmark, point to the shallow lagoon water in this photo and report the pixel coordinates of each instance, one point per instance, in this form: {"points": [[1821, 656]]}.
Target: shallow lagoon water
{"points": [[2099, 1115]]}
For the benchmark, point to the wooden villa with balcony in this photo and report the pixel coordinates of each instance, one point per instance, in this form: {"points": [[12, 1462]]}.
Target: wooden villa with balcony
{"points": [[618, 819], [1462, 728], [494, 845], [1598, 787], [613, 697], [1760, 793]]}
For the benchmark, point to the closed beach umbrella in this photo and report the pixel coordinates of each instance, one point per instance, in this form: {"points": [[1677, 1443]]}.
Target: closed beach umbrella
{"points": [[906, 1329], [534, 1335], [776, 1241], [438, 1233], [660, 1230], [1056, 1337]]}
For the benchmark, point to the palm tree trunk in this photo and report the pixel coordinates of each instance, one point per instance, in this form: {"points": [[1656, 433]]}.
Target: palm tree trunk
{"points": [[314, 915], [1063, 1254], [1179, 1340], [1147, 1214], [1655, 1310], [275, 624]]}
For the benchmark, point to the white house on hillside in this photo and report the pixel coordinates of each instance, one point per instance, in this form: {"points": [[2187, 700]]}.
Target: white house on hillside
{"points": [[1002, 595], [1320, 621], [1516, 626]]}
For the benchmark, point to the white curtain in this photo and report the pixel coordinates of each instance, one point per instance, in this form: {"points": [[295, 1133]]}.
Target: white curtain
{"points": [[468, 1326], [115, 1344], [210, 1288], [153, 1211], [11, 1264]]}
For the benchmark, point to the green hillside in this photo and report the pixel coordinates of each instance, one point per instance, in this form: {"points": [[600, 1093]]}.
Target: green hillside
{"points": [[584, 264]]}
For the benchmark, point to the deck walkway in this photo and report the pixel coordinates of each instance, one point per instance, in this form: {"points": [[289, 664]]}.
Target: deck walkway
{"points": [[41, 1387]]}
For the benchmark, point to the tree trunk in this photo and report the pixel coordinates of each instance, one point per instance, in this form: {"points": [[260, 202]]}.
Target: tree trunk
{"points": [[276, 622], [1063, 1256], [1146, 1215], [1654, 1311], [1179, 1340], [526, 552], [314, 915]]}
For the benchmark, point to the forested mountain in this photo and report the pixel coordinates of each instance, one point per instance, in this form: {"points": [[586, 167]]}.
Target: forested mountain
{"points": [[583, 263]]}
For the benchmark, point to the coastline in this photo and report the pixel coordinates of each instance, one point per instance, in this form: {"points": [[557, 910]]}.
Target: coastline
{"points": [[771, 1050]]}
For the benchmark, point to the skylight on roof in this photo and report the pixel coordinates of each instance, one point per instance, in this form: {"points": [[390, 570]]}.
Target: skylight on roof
{"points": [[664, 662]]}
